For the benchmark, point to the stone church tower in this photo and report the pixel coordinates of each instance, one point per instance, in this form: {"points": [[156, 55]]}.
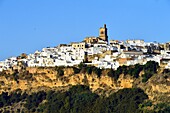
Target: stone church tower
{"points": [[103, 33]]}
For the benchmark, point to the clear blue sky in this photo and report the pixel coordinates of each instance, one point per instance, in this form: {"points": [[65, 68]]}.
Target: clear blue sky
{"points": [[29, 25]]}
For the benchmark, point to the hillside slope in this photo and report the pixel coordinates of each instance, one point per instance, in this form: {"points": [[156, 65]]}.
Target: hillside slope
{"points": [[152, 79]]}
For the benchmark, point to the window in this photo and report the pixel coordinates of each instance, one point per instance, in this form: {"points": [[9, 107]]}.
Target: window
{"points": [[101, 32]]}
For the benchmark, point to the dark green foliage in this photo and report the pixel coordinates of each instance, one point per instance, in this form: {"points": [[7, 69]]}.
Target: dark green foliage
{"points": [[166, 71], [83, 101], [165, 110], [155, 108], [146, 76], [79, 99], [147, 103], [81, 65], [110, 73], [113, 74], [33, 100], [126, 100], [59, 68], [123, 69], [4, 99], [25, 75], [3, 73], [76, 70], [88, 70], [15, 97], [83, 68], [60, 72], [137, 69], [131, 70], [97, 71], [119, 70], [78, 89], [101, 105], [160, 106], [15, 75], [7, 100], [150, 68], [18, 75]]}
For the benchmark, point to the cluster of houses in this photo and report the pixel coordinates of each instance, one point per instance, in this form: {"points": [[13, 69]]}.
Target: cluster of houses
{"points": [[96, 51]]}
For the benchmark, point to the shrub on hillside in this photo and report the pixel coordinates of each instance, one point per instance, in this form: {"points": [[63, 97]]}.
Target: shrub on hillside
{"points": [[60, 72]]}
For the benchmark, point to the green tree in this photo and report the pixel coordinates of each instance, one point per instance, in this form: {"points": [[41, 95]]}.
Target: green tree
{"points": [[60, 72]]}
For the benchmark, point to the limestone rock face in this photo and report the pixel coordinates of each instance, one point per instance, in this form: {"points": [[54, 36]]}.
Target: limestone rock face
{"points": [[158, 88], [35, 79], [48, 78]]}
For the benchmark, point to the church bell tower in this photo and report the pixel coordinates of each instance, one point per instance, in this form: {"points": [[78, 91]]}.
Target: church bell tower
{"points": [[103, 33]]}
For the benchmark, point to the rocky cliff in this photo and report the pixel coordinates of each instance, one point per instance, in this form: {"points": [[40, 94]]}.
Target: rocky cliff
{"points": [[36, 79]]}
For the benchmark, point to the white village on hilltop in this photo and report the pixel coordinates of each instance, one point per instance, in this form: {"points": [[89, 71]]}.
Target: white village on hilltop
{"points": [[95, 51]]}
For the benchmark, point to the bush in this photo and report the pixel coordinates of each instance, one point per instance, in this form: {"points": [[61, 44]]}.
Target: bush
{"points": [[146, 76], [76, 70], [81, 65], [33, 100], [147, 103], [166, 71], [110, 73], [151, 67], [78, 99], [14, 97], [126, 100], [60, 72], [88, 70], [97, 71]]}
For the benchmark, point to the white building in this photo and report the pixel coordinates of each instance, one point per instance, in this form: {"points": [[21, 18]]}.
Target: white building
{"points": [[135, 42]]}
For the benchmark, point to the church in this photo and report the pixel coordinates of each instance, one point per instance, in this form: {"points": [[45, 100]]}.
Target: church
{"points": [[102, 38]]}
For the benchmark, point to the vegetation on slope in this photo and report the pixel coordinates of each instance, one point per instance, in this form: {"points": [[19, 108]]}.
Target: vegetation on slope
{"points": [[150, 68], [78, 99]]}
